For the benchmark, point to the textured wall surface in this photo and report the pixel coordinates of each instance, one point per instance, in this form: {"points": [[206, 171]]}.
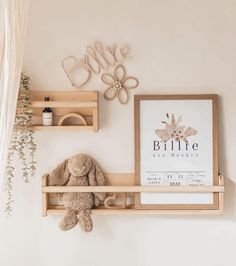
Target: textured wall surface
{"points": [[184, 46]]}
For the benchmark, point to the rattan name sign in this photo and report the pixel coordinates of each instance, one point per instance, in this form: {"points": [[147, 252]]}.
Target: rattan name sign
{"points": [[72, 110], [97, 59]]}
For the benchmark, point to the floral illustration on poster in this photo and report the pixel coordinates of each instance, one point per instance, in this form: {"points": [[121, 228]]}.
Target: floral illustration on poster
{"points": [[173, 130]]}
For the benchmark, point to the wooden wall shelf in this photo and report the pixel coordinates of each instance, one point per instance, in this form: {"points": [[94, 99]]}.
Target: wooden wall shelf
{"points": [[125, 183], [84, 103]]}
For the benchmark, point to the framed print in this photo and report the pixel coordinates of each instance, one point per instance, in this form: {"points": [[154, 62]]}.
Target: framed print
{"points": [[176, 144]]}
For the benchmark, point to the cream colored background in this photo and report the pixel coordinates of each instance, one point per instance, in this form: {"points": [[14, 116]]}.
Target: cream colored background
{"points": [[184, 46]]}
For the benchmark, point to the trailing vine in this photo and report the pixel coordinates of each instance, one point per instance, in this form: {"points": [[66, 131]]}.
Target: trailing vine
{"points": [[22, 145]]}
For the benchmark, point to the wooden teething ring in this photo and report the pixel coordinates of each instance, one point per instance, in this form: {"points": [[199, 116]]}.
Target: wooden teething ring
{"points": [[108, 202], [75, 115]]}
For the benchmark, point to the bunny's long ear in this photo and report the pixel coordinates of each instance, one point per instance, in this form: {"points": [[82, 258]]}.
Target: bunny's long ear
{"points": [[97, 178], [60, 175]]}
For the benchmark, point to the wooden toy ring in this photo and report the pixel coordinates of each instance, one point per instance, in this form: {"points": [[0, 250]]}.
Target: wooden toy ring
{"points": [[74, 115], [108, 200]]}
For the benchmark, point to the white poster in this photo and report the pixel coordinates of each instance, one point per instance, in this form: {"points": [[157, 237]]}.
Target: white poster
{"points": [[176, 149]]}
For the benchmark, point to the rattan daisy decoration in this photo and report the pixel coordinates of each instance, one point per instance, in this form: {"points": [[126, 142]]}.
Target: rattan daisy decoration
{"points": [[119, 84]]}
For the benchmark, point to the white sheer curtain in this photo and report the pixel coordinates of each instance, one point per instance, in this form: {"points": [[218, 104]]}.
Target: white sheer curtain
{"points": [[13, 22]]}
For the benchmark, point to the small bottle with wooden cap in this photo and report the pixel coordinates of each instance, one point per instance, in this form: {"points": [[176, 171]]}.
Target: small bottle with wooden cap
{"points": [[47, 115]]}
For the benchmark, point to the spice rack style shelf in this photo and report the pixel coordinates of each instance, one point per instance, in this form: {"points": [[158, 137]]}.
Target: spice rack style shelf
{"points": [[122, 185], [72, 110]]}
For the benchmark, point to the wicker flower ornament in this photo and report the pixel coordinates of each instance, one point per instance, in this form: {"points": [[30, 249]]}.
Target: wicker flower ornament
{"points": [[119, 84]]}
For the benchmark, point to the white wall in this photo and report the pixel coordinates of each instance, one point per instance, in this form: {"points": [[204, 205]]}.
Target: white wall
{"points": [[184, 46]]}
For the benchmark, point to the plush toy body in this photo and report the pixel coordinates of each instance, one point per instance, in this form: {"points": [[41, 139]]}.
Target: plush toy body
{"points": [[79, 170]]}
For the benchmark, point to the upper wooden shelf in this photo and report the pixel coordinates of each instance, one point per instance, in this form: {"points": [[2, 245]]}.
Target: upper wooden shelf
{"points": [[83, 103]]}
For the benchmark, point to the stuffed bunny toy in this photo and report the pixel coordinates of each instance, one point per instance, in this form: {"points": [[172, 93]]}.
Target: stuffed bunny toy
{"points": [[79, 170]]}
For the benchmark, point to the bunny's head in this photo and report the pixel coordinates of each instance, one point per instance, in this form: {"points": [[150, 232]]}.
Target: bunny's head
{"points": [[80, 165]]}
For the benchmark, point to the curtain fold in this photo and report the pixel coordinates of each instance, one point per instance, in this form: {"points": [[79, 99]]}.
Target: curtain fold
{"points": [[13, 24]]}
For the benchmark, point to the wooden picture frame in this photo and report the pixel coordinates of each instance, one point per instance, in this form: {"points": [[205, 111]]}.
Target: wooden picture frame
{"points": [[195, 104]]}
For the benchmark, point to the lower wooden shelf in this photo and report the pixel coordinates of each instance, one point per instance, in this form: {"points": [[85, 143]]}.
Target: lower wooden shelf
{"points": [[124, 183]]}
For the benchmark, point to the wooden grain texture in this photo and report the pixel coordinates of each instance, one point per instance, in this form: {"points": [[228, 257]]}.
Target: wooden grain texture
{"points": [[133, 189], [61, 211], [44, 196], [85, 103], [37, 112], [95, 119], [68, 95]]}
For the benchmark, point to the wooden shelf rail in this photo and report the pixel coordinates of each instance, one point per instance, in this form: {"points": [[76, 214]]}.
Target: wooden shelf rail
{"points": [[55, 210], [132, 189], [63, 104]]}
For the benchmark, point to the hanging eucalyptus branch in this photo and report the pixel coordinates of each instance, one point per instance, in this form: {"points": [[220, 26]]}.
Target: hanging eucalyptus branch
{"points": [[22, 144]]}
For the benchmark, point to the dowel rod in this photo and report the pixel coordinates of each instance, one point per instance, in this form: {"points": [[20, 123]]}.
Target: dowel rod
{"points": [[64, 189], [62, 104], [51, 210]]}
